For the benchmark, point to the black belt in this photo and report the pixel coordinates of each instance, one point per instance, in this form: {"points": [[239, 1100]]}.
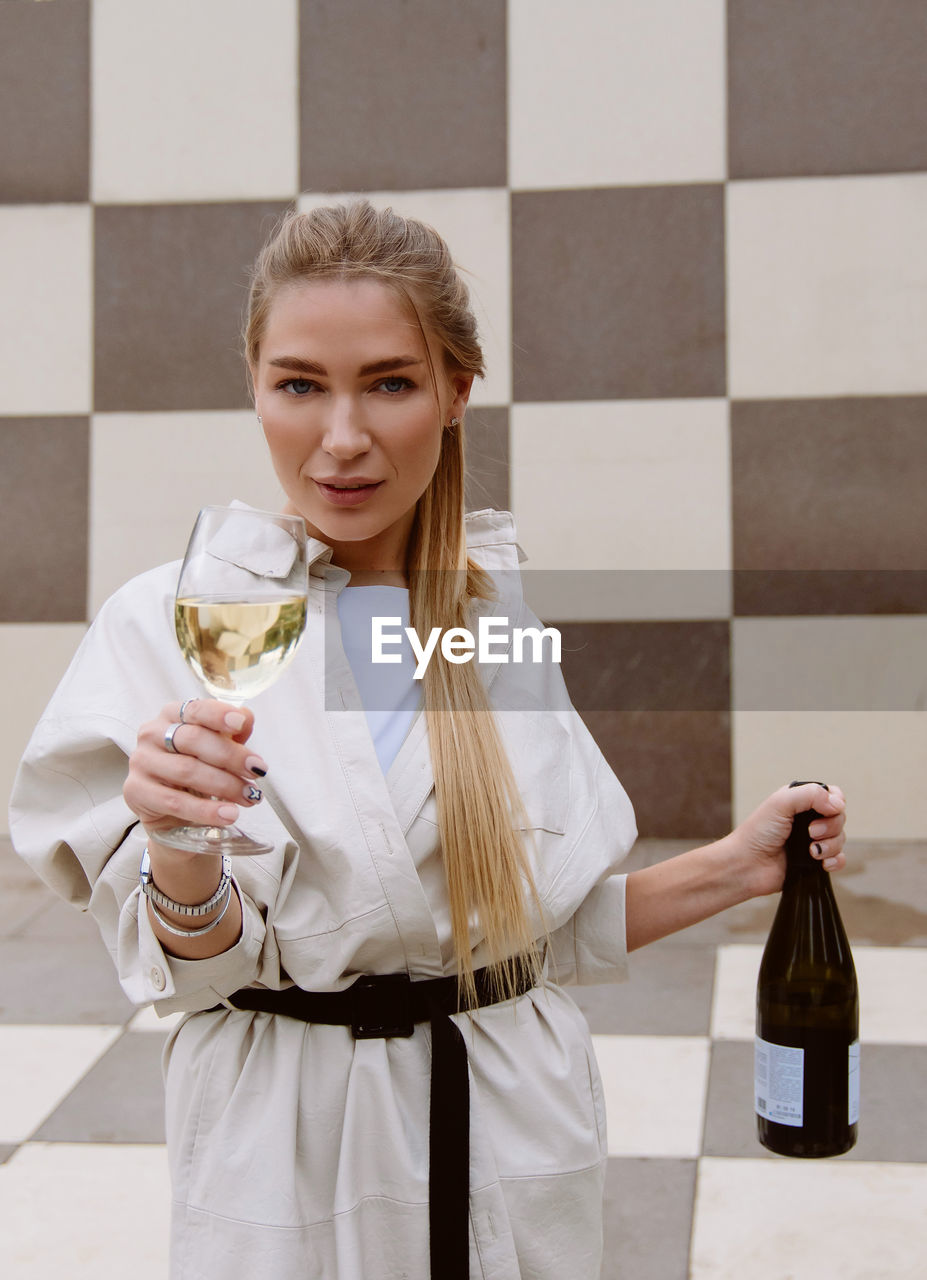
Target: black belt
{"points": [[391, 1004]]}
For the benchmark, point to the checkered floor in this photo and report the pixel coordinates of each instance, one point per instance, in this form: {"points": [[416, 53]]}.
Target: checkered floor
{"points": [[690, 1192]]}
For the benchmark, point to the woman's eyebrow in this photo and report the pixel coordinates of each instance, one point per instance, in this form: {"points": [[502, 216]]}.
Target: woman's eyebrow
{"points": [[301, 365]]}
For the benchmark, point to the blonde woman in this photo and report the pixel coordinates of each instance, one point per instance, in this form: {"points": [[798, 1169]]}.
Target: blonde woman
{"points": [[380, 1073]]}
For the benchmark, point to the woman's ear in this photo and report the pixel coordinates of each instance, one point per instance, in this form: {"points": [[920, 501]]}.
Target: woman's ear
{"points": [[461, 384]]}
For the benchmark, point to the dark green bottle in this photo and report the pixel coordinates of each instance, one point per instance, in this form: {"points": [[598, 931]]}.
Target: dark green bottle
{"points": [[806, 1077]]}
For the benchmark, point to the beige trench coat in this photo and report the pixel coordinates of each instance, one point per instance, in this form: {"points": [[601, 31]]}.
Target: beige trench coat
{"points": [[296, 1151]]}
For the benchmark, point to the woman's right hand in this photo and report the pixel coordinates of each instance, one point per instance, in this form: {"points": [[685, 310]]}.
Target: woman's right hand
{"points": [[204, 781]]}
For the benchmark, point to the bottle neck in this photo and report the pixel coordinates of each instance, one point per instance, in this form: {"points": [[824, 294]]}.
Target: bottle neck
{"points": [[800, 865]]}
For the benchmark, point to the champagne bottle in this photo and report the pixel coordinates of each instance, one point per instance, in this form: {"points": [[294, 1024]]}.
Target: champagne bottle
{"points": [[806, 1076]]}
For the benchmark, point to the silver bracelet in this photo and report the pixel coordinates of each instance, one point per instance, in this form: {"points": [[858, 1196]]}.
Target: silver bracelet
{"points": [[155, 896], [192, 933]]}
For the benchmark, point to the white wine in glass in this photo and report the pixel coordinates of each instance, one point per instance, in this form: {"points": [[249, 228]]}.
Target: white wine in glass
{"points": [[239, 615]]}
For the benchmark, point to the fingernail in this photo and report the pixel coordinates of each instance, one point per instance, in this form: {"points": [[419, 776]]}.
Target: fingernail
{"points": [[255, 765], [252, 793], [235, 720], [228, 812], [818, 851]]}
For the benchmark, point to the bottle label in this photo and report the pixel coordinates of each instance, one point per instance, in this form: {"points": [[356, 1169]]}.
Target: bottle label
{"points": [[853, 1112], [778, 1082]]}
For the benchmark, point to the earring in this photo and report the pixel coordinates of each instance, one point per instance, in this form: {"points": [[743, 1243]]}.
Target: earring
{"points": [[455, 422], [260, 421]]}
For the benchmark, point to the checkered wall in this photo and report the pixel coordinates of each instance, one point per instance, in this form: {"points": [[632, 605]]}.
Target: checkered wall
{"points": [[694, 233]]}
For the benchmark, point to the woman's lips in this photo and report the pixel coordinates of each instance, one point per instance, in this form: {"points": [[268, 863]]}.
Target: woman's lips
{"points": [[349, 494]]}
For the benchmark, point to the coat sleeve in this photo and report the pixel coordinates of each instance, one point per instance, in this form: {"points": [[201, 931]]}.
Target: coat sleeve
{"points": [[581, 820], [68, 818], [591, 945]]}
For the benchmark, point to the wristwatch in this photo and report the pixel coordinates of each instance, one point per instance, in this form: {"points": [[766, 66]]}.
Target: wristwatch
{"points": [[151, 890]]}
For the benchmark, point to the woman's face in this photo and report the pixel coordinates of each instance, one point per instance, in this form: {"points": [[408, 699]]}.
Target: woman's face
{"points": [[345, 393]]}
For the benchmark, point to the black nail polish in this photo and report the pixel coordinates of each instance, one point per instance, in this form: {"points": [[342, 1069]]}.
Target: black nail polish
{"points": [[260, 773]]}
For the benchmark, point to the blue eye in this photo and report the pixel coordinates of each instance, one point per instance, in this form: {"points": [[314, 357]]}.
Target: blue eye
{"points": [[296, 386], [392, 386]]}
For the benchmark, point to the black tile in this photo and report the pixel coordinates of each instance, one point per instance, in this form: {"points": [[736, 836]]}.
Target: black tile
{"points": [[120, 1099], [648, 1219], [675, 766], [44, 495], [828, 505], [170, 288], [618, 293], [487, 453], [826, 87], [430, 105], [45, 102], [669, 993]]}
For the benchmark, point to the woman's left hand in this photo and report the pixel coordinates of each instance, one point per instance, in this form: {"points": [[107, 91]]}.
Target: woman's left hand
{"points": [[762, 836]]}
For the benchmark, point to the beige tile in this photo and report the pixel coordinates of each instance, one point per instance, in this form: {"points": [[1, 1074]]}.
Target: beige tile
{"points": [[829, 664], [45, 324], [654, 1093], [51, 1196], [892, 993], [635, 485], [752, 1219], [44, 651], [210, 115], [601, 94], [151, 473], [475, 225], [820, 296], [879, 758]]}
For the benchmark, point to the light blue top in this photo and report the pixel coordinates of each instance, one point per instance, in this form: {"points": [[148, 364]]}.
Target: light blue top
{"points": [[389, 693]]}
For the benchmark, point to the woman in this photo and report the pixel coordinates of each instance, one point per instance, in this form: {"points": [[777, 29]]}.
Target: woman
{"points": [[474, 853]]}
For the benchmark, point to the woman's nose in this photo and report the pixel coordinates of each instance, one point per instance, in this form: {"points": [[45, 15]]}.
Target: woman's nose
{"points": [[345, 433]]}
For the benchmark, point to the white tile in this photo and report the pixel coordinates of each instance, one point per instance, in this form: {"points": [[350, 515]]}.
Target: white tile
{"points": [[642, 485], [733, 1005], [809, 1220], [151, 473], [39, 1066], [879, 758], [654, 1093], [603, 94], [88, 1212], [43, 650], [892, 993], [475, 225], [45, 322], [829, 664], [210, 112], [147, 1019], [825, 286]]}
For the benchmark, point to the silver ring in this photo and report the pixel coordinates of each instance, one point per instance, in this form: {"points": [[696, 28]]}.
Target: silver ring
{"points": [[169, 737], [183, 707]]}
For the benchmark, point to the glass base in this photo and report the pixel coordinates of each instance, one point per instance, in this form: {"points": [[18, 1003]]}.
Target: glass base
{"points": [[230, 840]]}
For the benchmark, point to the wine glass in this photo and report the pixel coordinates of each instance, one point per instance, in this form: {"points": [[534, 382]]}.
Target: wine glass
{"points": [[239, 615]]}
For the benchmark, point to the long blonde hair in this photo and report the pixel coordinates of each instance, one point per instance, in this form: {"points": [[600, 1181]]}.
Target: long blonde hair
{"points": [[479, 805]]}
